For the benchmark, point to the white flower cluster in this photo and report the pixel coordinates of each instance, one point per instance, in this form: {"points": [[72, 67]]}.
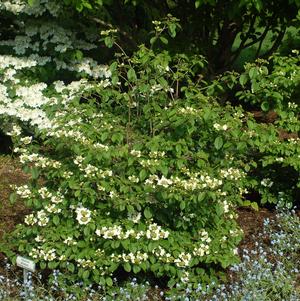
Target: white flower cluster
{"points": [[136, 153], [30, 219], [36, 9], [26, 140], [39, 253], [52, 208], [183, 260], [39, 161], [56, 198], [41, 218], [292, 105], [203, 248], [219, 127], [86, 263], [294, 141], [196, 181], [16, 130], [163, 255], [133, 179], [189, 111], [83, 215], [101, 146], [19, 63], [232, 173], [154, 181], [135, 217], [156, 154], [225, 206], [149, 163], [153, 232], [90, 170], [136, 258], [70, 241], [266, 182], [23, 191], [27, 102]]}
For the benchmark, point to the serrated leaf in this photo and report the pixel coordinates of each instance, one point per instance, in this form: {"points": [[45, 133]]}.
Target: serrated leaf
{"points": [[218, 143], [127, 267], [136, 269], [56, 220], [147, 213], [86, 274], [109, 281], [164, 40], [143, 174], [153, 40], [131, 75], [243, 79], [71, 267]]}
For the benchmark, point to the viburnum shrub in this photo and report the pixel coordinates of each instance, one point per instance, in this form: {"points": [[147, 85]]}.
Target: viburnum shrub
{"points": [[142, 176], [132, 168]]}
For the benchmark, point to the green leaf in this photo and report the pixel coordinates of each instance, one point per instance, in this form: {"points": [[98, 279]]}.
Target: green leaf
{"points": [[243, 79], [34, 173], [147, 213], [197, 3], [172, 30], [254, 206], [143, 174], [32, 2], [218, 143], [13, 197], [127, 267], [109, 281], [56, 220], [71, 267], [265, 106], [153, 40], [131, 75], [253, 73], [136, 269], [43, 265], [182, 205], [109, 42], [164, 40], [86, 274]]}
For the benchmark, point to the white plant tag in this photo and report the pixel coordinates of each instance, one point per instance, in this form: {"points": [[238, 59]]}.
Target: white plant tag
{"points": [[26, 263]]}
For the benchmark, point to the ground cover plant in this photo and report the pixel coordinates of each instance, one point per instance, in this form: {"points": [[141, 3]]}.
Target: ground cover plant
{"points": [[137, 167]]}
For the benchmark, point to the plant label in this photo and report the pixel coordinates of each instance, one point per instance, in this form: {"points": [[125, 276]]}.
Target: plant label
{"points": [[26, 263]]}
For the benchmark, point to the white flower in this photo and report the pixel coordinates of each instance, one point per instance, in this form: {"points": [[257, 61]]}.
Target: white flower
{"points": [[164, 182], [42, 218], [136, 153], [83, 215]]}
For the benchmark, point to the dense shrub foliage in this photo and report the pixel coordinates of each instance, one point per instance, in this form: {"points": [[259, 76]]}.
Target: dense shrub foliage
{"points": [[137, 167]]}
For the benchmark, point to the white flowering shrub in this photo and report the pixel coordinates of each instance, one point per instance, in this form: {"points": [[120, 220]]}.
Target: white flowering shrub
{"points": [[132, 168], [141, 177]]}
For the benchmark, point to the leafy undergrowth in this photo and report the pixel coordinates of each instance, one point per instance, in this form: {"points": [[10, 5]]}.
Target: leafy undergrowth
{"points": [[269, 268]]}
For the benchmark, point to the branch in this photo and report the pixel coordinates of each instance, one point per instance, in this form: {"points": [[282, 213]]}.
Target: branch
{"points": [[276, 43], [263, 36], [242, 44], [237, 52], [109, 25]]}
